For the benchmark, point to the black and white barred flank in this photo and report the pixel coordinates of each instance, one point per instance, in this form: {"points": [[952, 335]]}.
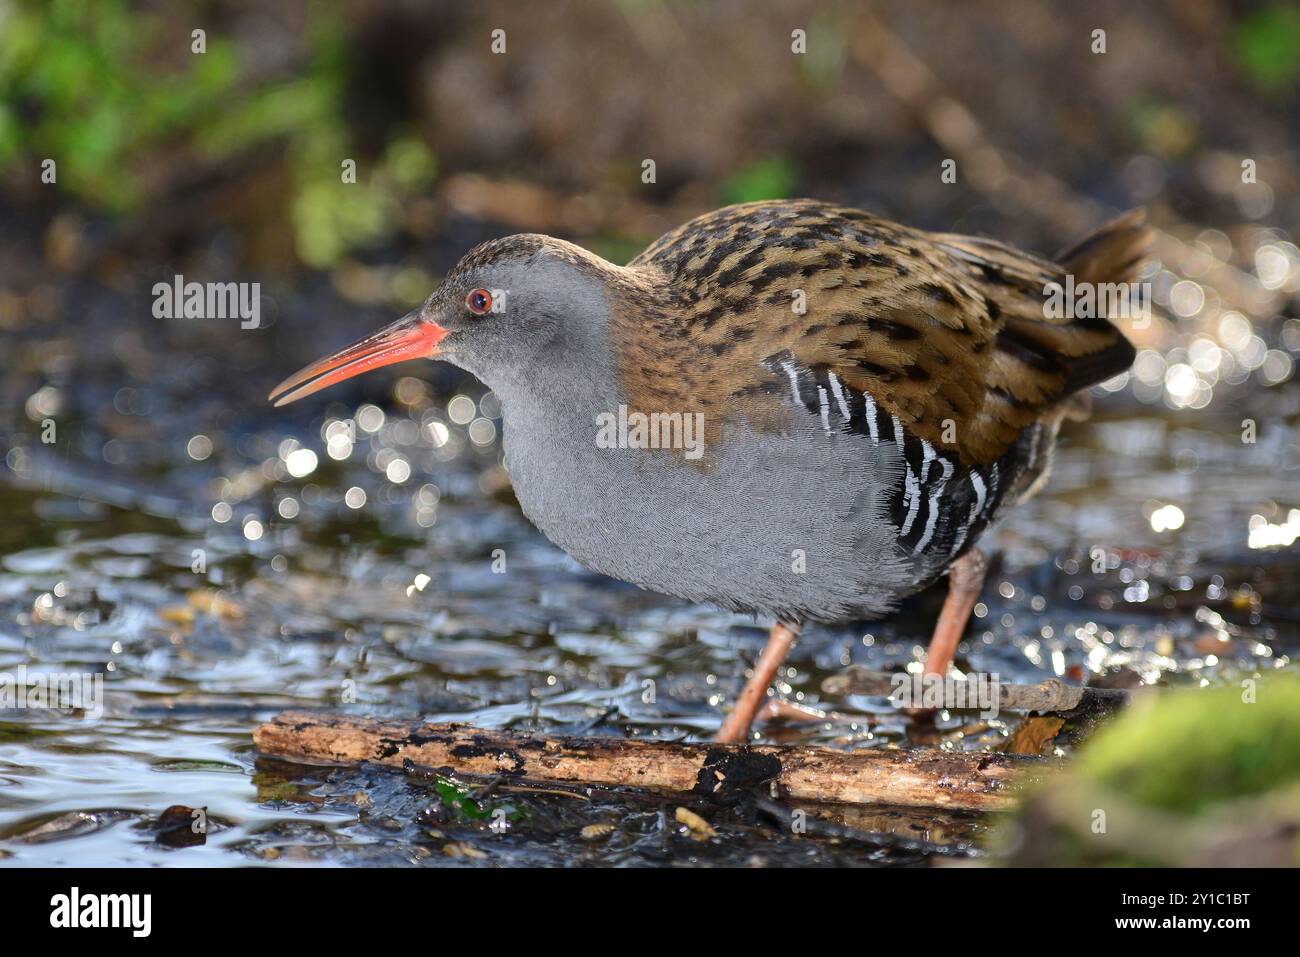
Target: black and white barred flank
{"points": [[942, 506]]}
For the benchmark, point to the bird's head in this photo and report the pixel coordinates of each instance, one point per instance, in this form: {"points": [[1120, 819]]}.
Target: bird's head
{"points": [[509, 303]]}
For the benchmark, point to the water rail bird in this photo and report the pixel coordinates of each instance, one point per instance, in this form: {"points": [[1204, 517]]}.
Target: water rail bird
{"points": [[789, 408]]}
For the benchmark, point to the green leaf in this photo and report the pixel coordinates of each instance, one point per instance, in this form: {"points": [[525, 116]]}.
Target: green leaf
{"points": [[457, 797]]}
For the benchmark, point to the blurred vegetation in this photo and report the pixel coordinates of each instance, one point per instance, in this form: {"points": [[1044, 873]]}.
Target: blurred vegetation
{"points": [[1189, 751], [772, 177], [1268, 46], [105, 90], [252, 133], [1199, 776]]}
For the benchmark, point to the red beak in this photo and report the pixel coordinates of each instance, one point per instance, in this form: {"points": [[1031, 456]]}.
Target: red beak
{"points": [[408, 338]]}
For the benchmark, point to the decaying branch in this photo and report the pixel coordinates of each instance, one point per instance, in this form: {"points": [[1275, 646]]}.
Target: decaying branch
{"points": [[974, 781], [1049, 695]]}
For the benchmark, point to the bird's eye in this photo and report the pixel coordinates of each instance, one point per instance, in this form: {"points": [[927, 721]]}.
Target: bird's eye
{"points": [[478, 301]]}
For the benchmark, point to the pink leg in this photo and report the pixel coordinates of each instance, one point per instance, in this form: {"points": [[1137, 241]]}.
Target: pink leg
{"points": [[735, 729], [965, 579]]}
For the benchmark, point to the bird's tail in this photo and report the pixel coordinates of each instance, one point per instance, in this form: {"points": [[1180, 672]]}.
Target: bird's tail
{"points": [[1080, 341], [1112, 253]]}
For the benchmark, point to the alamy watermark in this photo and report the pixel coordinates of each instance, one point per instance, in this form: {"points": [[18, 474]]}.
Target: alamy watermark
{"points": [[977, 692], [179, 299], [653, 430], [1098, 300], [52, 690], [74, 909]]}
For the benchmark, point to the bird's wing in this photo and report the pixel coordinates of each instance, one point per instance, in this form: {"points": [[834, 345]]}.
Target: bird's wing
{"points": [[949, 333]]}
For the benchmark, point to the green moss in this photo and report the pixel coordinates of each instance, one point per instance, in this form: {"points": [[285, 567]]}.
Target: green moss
{"points": [[1192, 749]]}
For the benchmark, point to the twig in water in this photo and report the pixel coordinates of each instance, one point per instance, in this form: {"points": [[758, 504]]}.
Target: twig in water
{"points": [[1050, 695]]}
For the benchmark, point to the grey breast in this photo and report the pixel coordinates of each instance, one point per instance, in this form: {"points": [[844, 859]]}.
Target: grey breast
{"points": [[793, 525]]}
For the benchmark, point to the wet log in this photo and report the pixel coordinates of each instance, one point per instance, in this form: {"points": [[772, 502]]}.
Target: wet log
{"points": [[1052, 695], [976, 781]]}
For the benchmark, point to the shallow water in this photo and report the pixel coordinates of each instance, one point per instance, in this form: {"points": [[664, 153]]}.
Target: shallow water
{"points": [[218, 561]]}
